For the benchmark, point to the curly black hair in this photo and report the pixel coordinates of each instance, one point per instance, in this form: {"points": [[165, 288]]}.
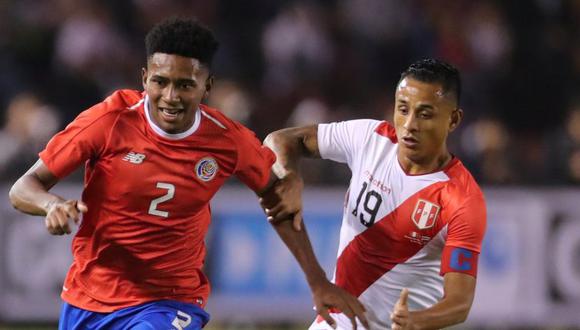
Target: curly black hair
{"points": [[435, 71], [184, 37]]}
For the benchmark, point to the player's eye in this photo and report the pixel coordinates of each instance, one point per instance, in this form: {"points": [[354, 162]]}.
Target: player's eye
{"points": [[186, 85]]}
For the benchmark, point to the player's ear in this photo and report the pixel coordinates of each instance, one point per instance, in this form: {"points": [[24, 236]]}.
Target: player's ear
{"points": [[456, 117], [208, 86], [144, 76]]}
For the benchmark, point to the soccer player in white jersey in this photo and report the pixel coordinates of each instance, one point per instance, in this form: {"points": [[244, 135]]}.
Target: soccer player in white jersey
{"points": [[414, 217]]}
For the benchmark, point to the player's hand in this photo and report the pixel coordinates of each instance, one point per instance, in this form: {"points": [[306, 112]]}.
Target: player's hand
{"points": [[284, 200], [400, 316], [59, 216], [327, 296]]}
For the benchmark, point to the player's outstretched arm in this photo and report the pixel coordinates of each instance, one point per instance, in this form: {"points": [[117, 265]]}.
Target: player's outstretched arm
{"points": [[289, 145], [280, 201], [30, 195], [459, 290], [324, 294]]}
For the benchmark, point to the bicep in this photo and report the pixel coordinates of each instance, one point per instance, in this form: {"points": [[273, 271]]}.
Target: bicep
{"points": [[310, 141], [302, 140]]}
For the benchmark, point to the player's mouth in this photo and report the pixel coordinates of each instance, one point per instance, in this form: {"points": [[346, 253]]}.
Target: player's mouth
{"points": [[410, 142], [170, 114]]}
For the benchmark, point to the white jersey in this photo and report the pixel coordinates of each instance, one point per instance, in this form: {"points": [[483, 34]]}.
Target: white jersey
{"points": [[399, 230]]}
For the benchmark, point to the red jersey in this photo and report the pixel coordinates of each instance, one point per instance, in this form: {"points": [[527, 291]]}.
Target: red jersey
{"points": [[148, 195]]}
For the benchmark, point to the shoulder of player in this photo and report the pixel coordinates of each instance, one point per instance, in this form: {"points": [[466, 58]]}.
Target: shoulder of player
{"points": [[386, 130], [461, 185], [230, 131], [464, 202], [105, 113], [217, 119], [118, 102], [123, 99], [369, 128]]}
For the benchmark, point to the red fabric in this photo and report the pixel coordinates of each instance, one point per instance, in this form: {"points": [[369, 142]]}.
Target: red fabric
{"points": [[459, 260], [126, 252], [389, 242], [387, 130], [383, 246]]}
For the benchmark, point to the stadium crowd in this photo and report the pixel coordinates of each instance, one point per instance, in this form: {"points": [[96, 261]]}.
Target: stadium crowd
{"points": [[291, 63]]}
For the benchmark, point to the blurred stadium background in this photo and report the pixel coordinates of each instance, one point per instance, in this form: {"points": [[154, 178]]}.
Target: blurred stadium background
{"points": [[288, 63]]}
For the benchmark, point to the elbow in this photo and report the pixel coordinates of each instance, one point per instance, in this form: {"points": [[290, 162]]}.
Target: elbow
{"points": [[462, 313], [13, 196], [270, 140], [462, 317]]}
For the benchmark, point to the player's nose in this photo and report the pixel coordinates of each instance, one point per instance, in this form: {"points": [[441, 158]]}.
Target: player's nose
{"points": [[170, 94], [411, 123]]}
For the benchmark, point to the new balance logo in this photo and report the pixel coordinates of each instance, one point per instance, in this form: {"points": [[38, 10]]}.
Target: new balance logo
{"points": [[181, 321], [134, 158]]}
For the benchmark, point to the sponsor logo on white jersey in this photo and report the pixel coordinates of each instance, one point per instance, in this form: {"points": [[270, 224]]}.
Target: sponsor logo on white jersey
{"points": [[206, 168], [376, 182], [425, 214], [134, 158]]}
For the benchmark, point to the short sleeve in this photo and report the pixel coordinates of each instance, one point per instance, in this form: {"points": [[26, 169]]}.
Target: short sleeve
{"points": [[254, 160], [465, 233], [340, 141], [83, 139]]}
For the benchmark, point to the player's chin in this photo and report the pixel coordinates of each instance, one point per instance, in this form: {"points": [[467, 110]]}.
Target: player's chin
{"points": [[414, 149], [415, 153], [168, 126]]}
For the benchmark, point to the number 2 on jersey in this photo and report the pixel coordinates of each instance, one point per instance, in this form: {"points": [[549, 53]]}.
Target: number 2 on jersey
{"points": [[372, 208], [169, 195]]}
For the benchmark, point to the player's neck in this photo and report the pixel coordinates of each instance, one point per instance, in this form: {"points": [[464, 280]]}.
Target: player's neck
{"points": [[424, 166]]}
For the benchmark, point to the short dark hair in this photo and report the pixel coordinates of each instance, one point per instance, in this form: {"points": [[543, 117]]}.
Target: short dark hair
{"points": [[435, 71], [184, 37]]}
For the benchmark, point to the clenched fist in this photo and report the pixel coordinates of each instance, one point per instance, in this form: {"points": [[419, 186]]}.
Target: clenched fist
{"points": [[60, 213]]}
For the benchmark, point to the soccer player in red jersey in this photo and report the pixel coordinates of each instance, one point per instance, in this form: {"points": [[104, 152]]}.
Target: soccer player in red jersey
{"points": [[414, 217], [153, 160]]}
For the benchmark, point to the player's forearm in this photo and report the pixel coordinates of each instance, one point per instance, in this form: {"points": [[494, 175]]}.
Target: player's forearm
{"points": [[299, 245], [447, 312], [30, 196]]}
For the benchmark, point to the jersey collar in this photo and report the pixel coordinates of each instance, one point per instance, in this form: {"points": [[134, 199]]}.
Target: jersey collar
{"points": [[177, 136]]}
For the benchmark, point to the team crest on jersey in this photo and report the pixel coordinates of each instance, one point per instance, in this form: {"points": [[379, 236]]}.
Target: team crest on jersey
{"points": [[206, 168], [425, 214]]}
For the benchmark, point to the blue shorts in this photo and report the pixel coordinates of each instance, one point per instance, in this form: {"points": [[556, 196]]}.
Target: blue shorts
{"points": [[156, 315]]}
